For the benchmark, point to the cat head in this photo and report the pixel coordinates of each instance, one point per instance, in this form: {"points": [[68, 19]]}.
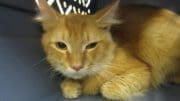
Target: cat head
{"points": [[78, 45]]}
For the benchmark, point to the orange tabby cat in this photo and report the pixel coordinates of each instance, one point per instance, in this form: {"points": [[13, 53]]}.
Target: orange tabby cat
{"points": [[142, 51]]}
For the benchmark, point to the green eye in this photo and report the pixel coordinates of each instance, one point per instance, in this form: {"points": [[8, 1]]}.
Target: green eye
{"points": [[61, 45], [91, 45]]}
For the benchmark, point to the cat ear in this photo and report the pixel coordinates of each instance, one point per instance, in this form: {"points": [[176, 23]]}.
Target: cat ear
{"points": [[108, 15], [47, 15]]}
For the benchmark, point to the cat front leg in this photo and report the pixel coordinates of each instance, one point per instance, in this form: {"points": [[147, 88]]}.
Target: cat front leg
{"points": [[131, 83], [91, 85], [71, 88]]}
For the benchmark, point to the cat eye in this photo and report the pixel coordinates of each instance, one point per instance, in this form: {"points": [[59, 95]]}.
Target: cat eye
{"points": [[91, 45], [61, 45]]}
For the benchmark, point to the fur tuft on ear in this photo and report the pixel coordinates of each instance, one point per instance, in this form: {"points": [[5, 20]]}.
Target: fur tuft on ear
{"points": [[108, 15], [47, 15]]}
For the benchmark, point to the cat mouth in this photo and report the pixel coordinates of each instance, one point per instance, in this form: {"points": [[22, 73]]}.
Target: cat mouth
{"points": [[71, 73], [75, 74]]}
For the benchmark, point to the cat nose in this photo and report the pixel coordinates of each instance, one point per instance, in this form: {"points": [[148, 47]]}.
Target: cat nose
{"points": [[77, 67]]}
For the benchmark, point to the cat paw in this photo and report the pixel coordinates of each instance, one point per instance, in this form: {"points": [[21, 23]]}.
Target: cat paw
{"points": [[71, 89], [111, 91], [90, 90], [90, 86]]}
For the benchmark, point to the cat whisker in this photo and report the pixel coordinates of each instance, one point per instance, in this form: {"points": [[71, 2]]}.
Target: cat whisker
{"points": [[55, 74], [39, 62], [101, 78], [102, 65], [103, 75], [114, 65], [96, 76], [52, 69], [106, 74]]}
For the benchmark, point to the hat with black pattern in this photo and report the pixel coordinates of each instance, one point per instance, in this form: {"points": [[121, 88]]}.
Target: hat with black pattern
{"points": [[65, 7]]}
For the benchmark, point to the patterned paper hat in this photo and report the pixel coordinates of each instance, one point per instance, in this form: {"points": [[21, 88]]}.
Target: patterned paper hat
{"points": [[72, 6]]}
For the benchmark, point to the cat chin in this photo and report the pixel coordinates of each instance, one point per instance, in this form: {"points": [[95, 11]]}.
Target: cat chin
{"points": [[76, 77]]}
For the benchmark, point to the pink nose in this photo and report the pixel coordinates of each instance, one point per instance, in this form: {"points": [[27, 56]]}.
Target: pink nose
{"points": [[77, 67]]}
